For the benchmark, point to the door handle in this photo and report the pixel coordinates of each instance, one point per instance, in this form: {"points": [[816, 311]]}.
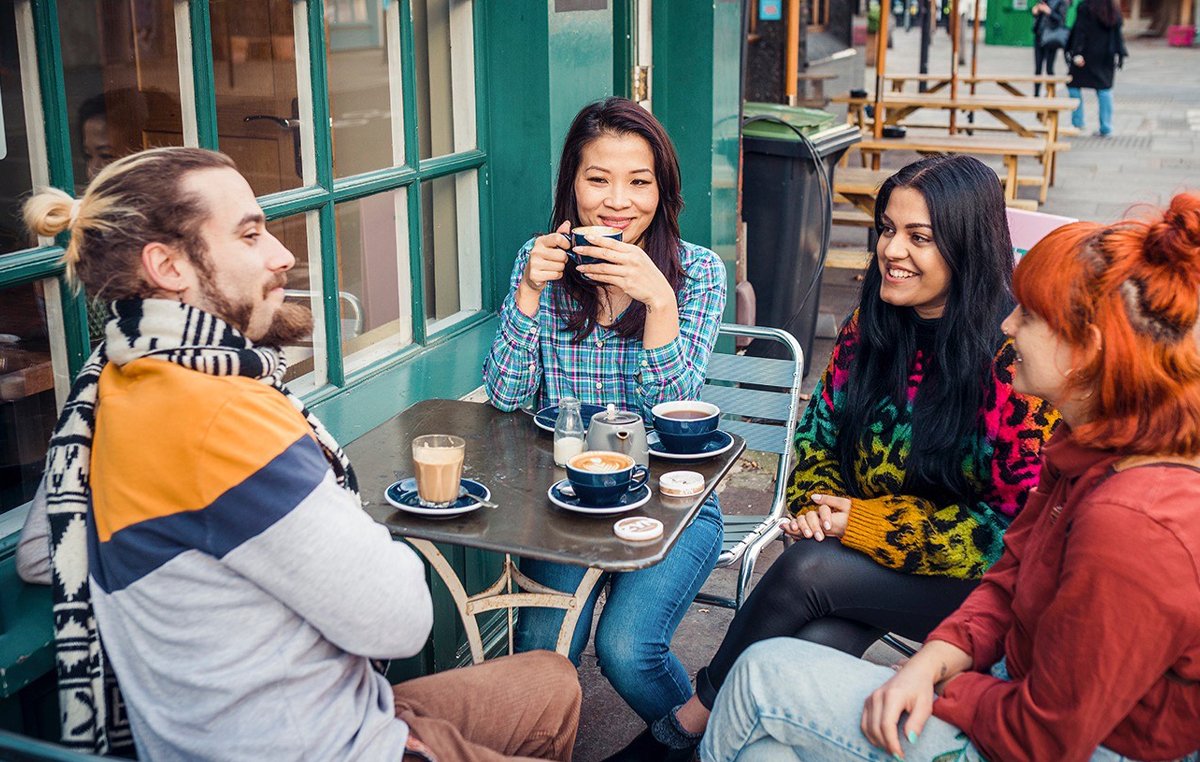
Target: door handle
{"points": [[281, 122]]}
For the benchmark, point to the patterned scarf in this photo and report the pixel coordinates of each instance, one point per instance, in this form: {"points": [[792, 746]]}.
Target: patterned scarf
{"points": [[92, 712]]}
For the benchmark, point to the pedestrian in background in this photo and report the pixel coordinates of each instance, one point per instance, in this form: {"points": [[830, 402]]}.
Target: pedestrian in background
{"points": [[1095, 50], [1050, 34]]}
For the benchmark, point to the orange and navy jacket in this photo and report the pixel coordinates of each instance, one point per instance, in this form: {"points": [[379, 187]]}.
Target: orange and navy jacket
{"points": [[239, 591]]}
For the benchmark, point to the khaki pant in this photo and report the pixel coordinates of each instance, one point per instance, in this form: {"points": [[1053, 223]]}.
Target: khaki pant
{"points": [[519, 706]]}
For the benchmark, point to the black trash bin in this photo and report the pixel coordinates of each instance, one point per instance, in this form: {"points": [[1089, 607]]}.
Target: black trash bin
{"points": [[786, 210]]}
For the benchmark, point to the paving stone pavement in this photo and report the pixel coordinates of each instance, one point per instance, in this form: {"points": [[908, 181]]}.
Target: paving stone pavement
{"points": [[1154, 153]]}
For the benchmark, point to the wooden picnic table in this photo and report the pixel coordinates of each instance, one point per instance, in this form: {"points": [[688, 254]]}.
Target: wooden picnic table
{"points": [[897, 107], [514, 459], [1007, 82]]}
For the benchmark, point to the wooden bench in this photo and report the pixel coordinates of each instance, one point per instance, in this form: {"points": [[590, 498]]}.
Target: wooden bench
{"points": [[847, 259], [1009, 148], [860, 186]]}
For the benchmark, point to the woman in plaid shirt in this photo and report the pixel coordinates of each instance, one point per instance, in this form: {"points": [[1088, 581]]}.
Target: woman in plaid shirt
{"points": [[636, 332]]}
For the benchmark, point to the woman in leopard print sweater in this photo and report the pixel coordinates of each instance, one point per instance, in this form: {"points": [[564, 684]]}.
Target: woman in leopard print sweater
{"points": [[914, 453]]}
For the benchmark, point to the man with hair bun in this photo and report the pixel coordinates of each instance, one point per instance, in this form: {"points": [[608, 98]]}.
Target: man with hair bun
{"points": [[202, 530]]}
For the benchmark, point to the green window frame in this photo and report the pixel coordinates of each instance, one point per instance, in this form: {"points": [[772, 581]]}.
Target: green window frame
{"points": [[317, 198]]}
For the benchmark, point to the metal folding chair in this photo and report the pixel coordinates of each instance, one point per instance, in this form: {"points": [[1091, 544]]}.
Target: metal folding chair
{"points": [[759, 399]]}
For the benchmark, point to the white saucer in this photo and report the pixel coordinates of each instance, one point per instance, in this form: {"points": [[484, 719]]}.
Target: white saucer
{"points": [[718, 443], [562, 495]]}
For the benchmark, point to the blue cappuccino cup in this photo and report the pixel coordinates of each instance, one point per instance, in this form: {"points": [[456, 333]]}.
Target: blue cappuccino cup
{"points": [[602, 477]]}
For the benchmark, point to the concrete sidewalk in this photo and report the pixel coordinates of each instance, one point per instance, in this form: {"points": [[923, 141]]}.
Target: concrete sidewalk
{"points": [[1154, 153]]}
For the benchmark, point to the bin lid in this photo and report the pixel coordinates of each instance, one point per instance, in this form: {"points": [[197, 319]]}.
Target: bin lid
{"points": [[808, 120]]}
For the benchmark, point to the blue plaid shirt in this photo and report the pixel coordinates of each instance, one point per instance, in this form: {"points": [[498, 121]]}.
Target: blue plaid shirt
{"points": [[538, 356]]}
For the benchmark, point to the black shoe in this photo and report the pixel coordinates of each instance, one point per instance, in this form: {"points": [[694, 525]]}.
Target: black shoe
{"points": [[646, 748]]}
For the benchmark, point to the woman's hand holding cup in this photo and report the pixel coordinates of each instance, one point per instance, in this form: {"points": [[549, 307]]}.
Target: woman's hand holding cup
{"points": [[628, 268], [547, 262], [548, 258]]}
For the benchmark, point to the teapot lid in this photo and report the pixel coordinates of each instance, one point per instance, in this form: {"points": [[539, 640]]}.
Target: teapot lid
{"points": [[614, 416]]}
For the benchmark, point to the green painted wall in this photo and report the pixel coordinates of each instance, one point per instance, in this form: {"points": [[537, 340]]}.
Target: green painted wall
{"points": [[697, 97]]}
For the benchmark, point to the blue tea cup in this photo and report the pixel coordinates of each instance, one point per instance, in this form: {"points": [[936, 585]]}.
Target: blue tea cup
{"points": [[578, 237], [684, 426], [601, 477], [684, 444], [685, 418]]}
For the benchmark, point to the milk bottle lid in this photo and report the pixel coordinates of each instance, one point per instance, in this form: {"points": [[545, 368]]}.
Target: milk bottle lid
{"points": [[638, 529]]}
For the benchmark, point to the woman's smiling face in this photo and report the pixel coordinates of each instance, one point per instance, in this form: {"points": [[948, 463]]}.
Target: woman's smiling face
{"points": [[616, 186], [915, 273]]}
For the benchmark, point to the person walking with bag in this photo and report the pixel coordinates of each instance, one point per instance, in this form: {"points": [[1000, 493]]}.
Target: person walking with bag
{"points": [[1095, 49], [1050, 34]]}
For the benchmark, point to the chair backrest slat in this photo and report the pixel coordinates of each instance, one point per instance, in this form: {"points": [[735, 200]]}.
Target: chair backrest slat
{"points": [[750, 403], [759, 436], [757, 370]]}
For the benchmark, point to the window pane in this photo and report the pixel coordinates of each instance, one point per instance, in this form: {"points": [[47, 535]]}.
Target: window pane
{"points": [[27, 405], [375, 296], [16, 171], [445, 83], [258, 102], [363, 56], [122, 79], [302, 288], [450, 245]]}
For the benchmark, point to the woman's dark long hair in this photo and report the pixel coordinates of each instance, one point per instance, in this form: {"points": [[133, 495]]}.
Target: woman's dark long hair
{"points": [[970, 228], [1107, 12], [576, 297]]}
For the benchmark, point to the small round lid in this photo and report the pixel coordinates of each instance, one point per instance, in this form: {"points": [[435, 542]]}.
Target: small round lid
{"points": [[638, 529], [681, 483], [614, 416]]}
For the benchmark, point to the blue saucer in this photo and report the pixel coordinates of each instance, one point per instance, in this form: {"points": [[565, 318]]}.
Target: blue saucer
{"points": [[403, 495], [548, 416], [561, 494], [718, 442]]}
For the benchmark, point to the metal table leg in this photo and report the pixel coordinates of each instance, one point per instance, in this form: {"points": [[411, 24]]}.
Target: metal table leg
{"points": [[500, 596]]}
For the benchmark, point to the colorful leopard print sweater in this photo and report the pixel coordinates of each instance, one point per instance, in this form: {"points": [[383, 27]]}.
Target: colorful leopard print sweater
{"points": [[911, 533]]}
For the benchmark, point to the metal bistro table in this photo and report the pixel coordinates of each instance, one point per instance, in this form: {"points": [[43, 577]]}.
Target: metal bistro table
{"points": [[515, 460]]}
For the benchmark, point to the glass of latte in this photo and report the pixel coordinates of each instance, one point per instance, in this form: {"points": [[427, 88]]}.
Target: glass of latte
{"points": [[438, 463]]}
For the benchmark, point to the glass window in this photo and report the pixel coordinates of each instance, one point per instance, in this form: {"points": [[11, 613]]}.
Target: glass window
{"points": [[372, 245], [450, 246], [364, 86], [16, 164], [445, 83], [121, 71], [306, 360], [255, 68], [27, 402]]}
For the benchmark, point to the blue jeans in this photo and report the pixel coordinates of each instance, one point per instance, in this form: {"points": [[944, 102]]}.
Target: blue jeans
{"points": [[1106, 109], [633, 637], [789, 699]]}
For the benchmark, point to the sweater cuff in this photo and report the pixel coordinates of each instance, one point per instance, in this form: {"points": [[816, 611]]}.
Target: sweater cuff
{"points": [[661, 364], [866, 527], [961, 699], [957, 633]]}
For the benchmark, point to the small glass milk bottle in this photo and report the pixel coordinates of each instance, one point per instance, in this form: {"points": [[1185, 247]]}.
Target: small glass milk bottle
{"points": [[568, 431]]}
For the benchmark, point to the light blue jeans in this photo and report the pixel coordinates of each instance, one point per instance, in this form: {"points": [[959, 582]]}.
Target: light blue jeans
{"points": [[643, 608], [1105, 99], [788, 699]]}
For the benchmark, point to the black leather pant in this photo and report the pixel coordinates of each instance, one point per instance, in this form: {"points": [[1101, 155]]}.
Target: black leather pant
{"points": [[826, 593]]}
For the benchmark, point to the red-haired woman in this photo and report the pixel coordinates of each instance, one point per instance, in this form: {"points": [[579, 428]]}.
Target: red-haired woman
{"points": [[1083, 641]]}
